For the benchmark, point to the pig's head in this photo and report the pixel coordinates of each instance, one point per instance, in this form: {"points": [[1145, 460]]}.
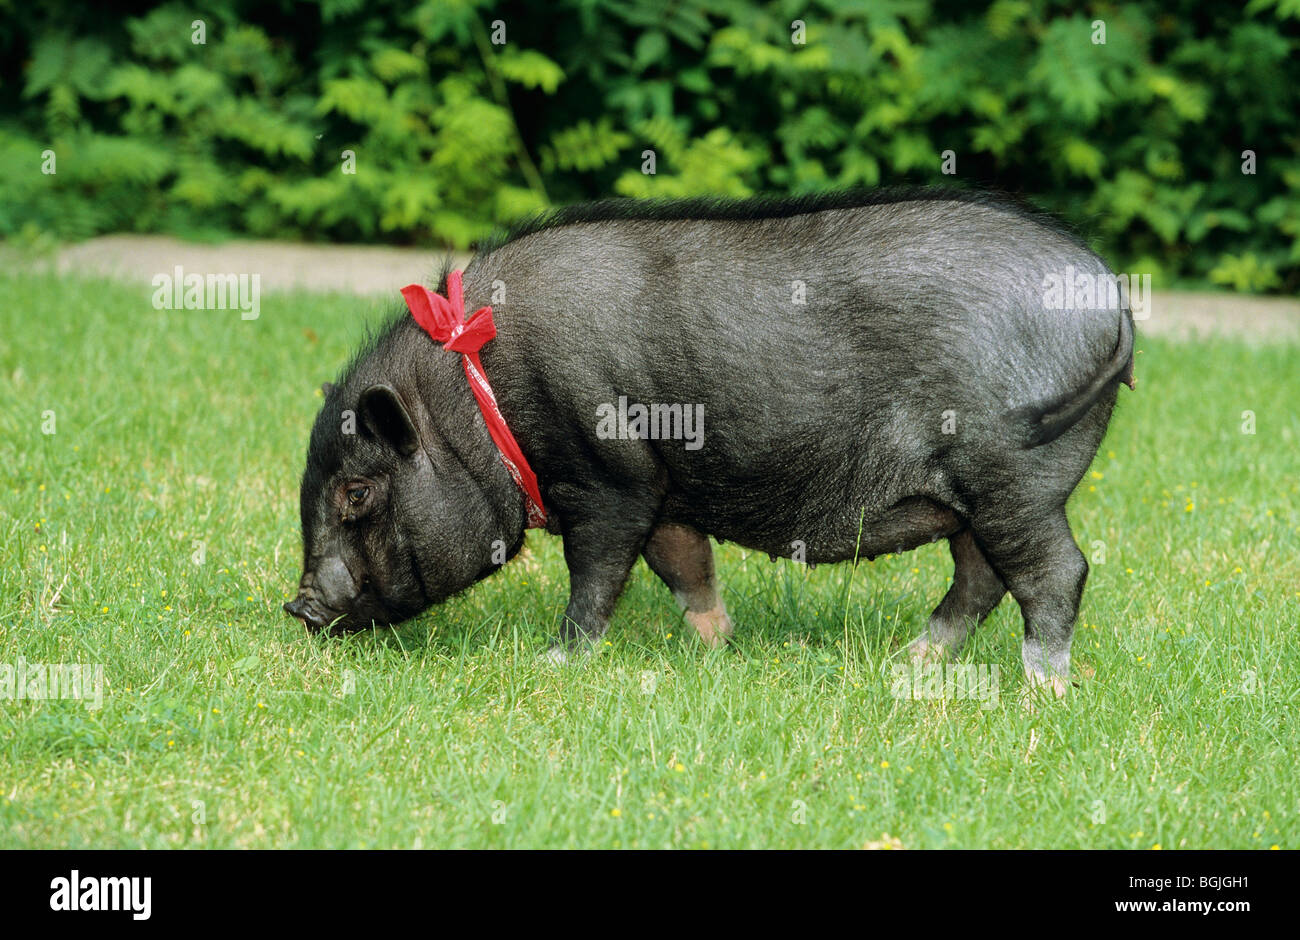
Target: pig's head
{"points": [[404, 502]]}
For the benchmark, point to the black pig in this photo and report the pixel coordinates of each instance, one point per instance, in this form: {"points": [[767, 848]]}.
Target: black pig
{"points": [[868, 372]]}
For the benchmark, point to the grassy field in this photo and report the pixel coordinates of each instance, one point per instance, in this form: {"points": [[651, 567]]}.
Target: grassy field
{"points": [[155, 532]]}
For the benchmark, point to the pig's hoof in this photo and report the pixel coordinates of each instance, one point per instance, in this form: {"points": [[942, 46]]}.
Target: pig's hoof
{"points": [[923, 651], [561, 655], [1057, 685], [713, 626]]}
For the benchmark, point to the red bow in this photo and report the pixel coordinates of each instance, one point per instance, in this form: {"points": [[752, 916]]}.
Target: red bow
{"points": [[443, 319]]}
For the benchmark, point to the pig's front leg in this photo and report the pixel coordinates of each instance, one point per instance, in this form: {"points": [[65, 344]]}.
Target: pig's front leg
{"points": [[601, 542]]}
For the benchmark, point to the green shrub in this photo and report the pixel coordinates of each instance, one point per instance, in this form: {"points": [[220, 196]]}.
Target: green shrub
{"points": [[1139, 140]]}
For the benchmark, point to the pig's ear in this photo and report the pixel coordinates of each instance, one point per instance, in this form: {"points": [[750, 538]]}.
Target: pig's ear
{"points": [[384, 416], [326, 388]]}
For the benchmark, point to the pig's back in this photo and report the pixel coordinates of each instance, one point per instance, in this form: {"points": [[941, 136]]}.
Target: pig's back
{"points": [[928, 297]]}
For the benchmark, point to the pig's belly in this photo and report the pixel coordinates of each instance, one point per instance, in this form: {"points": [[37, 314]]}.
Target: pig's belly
{"points": [[822, 534]]}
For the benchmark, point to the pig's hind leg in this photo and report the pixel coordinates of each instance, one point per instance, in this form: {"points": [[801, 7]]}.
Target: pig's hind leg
{"points": [[1044, 570], [976, 589], [683, 558]]}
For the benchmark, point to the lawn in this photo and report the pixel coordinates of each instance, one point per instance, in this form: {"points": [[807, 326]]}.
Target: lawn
{"points": [[155, 532]]}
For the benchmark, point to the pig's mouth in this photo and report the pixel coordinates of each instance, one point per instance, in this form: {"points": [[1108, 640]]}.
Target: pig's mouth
{"points": [[366, 611], [364, 603], [316, 617]]}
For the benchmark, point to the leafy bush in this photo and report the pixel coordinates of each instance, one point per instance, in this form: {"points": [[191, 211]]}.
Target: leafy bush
{"points": [[1139, 140]]}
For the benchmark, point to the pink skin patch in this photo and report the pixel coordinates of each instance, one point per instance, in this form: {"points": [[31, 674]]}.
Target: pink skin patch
{"points": [[714, 626], [1056, 684], [924, 651]]}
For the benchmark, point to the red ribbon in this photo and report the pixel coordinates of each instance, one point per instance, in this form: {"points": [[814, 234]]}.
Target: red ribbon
{"points": [[443, 318]]}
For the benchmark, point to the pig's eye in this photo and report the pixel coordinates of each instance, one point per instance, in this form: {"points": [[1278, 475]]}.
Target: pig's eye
{"points": [[357, 495]]}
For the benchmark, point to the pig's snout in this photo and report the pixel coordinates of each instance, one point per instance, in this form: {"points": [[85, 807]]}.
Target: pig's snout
{"points": [[302, 608], [334, 585], [326, 593]]}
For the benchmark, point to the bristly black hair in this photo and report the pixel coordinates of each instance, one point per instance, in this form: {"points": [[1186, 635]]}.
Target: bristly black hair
{"points": [[716, 208], [775, 206], [377, 333]]}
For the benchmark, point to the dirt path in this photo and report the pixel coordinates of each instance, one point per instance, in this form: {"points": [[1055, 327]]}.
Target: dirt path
{"points": [[370, 269], [355, 269]]}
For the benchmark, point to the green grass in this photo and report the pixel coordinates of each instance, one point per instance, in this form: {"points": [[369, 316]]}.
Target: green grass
{"points": [[182, 427]]}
